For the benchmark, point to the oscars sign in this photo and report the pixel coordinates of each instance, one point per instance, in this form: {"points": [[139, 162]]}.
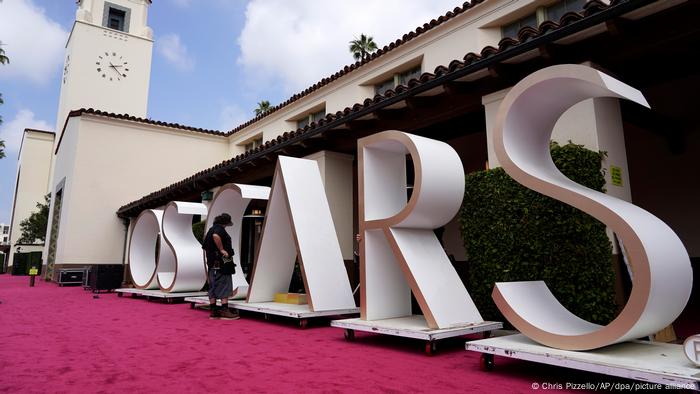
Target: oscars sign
{"points": [[299, 225], [179, 265], [691, 346], [233, 199], [662, 275], [400, 253]]}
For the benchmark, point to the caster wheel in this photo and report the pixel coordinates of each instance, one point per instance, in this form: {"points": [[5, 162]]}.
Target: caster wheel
{"points": [[191, 305], [349, 335], [120, 295], [430, 347], [170, 301], [486, 362], [303, 323], [267, 317]]}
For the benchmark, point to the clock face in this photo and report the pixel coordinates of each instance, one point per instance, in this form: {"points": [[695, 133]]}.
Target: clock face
{"points": [[112, 66], [65, 68]]}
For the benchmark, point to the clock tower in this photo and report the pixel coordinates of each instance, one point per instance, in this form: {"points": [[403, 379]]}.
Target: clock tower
{"points": [[108, 59]]}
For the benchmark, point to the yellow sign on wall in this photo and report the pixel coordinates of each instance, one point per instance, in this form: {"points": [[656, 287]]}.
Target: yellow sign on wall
{"points": [[616, 175], [33, 271]]}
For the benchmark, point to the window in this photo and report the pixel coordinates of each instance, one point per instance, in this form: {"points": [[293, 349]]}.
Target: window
{"points": [[556, 11], [312, 117], [5, 229], [316, 116], [116, 17], [408, 75], [382, 87], [303, 122], [253, 144], [512, 29], [553, 13], [397, 79]]}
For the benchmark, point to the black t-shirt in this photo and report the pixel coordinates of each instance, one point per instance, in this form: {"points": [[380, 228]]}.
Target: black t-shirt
{"points": [[209, 246]]}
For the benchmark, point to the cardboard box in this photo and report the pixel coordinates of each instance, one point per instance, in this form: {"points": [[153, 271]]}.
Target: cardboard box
{"points": [[291, 298]]}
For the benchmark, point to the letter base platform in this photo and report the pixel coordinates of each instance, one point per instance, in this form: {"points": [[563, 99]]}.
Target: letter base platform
{"points": [[157, 294], [203, 300], [660, 365], [414, 327], [302, 313]]}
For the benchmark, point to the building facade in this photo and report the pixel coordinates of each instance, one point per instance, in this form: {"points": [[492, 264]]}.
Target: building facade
{"points": [[4, 234], [444, 80], [33, 174]]}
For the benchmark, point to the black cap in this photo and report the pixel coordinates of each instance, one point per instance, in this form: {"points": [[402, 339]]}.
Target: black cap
{"points": [[224, 219]]}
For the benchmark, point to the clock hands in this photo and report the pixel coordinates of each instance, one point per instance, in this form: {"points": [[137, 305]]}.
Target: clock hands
{"points": [[115, 70], [105, 62]]}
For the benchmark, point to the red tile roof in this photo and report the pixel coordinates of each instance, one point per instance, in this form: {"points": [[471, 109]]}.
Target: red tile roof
{"points": [[420, 30], [528, 38], [91, 111]]}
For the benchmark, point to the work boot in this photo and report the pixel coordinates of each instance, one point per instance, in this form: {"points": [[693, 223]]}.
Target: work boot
{"points": [[214, 311], [226, 314]]}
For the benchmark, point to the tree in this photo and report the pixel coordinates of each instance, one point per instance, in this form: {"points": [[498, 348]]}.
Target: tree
{"points": [[3, 59], [263, 107], [33, 228], [362, 47]]}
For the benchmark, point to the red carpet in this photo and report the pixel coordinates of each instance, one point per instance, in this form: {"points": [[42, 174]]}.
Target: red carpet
{"points": [[56, 339]]}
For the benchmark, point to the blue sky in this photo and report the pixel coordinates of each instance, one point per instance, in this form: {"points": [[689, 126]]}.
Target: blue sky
{"points": [[212, 62]]}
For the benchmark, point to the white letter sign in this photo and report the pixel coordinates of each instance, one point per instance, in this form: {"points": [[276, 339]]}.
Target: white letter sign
{"points": [[180, 261], [298, 221], [142, 248], [691, 346], [662, 275], [186, 271], [233, 199], [400, 251]]}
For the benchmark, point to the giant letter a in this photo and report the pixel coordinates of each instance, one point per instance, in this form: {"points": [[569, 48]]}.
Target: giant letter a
{"points": [[298, 220]]}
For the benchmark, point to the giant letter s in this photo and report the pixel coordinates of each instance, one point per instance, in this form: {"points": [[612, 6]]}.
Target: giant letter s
{"points": [[661, 268]]}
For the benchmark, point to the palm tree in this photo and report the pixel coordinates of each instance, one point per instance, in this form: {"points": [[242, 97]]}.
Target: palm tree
{"points": [[3, 59], [263, 107], [362, 47]]}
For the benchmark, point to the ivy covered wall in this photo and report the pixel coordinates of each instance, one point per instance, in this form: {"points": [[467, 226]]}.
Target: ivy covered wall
{"points": [[512, 233]]}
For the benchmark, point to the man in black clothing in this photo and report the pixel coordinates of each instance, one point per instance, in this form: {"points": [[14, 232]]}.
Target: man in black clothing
{"points": [[219, 255]]}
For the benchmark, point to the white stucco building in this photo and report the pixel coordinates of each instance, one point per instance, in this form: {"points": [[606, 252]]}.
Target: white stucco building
{"points": [[33, 172], [445, 80], [4, 234]]}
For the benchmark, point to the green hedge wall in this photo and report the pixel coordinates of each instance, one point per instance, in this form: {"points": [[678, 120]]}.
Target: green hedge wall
{"points": [[512, 233], [198, 230]]}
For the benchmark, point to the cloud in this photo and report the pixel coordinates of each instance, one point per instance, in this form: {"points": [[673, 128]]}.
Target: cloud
{"points": [[175, 52], [300, 42], [231, 116], [11, 131], [34, 43]]}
